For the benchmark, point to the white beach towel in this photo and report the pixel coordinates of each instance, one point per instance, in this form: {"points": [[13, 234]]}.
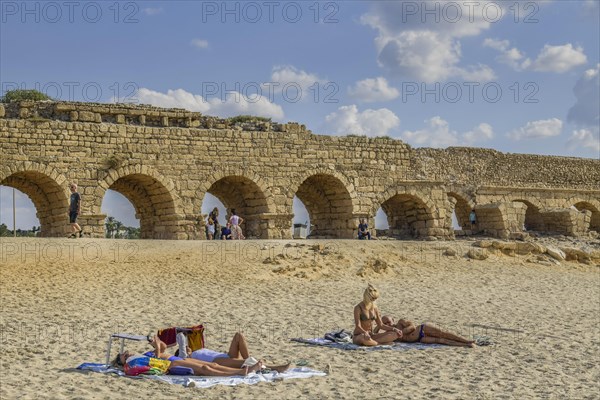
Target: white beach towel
{"points": [[396, 346], [208, 381]]}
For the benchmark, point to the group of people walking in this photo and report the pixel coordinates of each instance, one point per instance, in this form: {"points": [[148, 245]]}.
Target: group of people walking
{"points": [[231, 231]]}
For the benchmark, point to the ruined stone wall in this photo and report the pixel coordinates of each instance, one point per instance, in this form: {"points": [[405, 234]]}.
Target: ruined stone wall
{"points": [[165, 161], [486, 167]]}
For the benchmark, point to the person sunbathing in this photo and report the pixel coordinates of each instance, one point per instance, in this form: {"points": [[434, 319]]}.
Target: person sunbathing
{"points": [[426, 333], [237, 356], [200, 368], [365, 314]]}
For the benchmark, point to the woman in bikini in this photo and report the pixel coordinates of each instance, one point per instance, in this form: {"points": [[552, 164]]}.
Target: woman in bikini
{"points": [[365, 314], [236, 357], [426, 333], [199, 367]]}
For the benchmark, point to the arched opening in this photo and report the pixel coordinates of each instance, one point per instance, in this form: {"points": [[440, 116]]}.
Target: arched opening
{"points": [[301, 216], [408, 216], [381, 223], [329, 206], [26, 222], [595, 221], [49, 200], [121, 222], [209, 203], [249, 201], [460, 212], [153, 204], [533, 218]]}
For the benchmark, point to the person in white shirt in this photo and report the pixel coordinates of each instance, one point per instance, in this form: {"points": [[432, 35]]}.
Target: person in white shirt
{"points": [[236, 230]]}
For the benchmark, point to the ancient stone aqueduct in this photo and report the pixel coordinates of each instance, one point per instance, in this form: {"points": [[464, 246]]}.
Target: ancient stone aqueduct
{"points": [[165, 161]]}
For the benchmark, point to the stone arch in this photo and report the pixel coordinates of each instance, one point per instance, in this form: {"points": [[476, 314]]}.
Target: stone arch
{"points": [[463, 204], [152, 195], [47, 189], [245, 192], [595, 221], [534, 220], [329, 199], [410, 213]]}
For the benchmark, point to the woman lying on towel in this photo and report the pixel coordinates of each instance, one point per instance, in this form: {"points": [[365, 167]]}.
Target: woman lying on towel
{"points": [[365, 314], [237, 356], [426, 333], [135, 364]]}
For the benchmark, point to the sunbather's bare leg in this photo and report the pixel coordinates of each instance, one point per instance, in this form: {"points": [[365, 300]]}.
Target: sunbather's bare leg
{"points": [[279, 368], [237, 363], [431, 330], [160, 347], [447, 342], [238, 347], [229, 362], [385, 337], [362, 340], [213, 369]]}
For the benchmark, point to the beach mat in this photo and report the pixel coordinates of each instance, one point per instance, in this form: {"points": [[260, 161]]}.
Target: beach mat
{"points": [[209, 381], [396, 346]]}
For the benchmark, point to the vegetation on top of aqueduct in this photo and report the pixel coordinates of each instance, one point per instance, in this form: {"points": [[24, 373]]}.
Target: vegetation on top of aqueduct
{"points": [[22, 94]]}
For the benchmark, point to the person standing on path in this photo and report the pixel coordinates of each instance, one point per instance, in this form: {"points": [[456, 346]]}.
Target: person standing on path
{"points": [[236, 230], [74, 211]]}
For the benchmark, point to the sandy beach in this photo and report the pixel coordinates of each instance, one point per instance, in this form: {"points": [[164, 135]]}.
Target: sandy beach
{"points": [[61, 299]]}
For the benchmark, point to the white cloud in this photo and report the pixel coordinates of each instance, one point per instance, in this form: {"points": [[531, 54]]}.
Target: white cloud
{"points": [[586, 139], [452, 18], [152, 11], [199, 43], [429, 57], [500, 45], [591, 6], [371, 90], [481, 132], [559, 58], [427, 50], [289, 80], [348, 120], [478, 73], [586, 112], [424, 55], [234, 103], [512, 57], [537, 129], [437, 133], [178, 98]]}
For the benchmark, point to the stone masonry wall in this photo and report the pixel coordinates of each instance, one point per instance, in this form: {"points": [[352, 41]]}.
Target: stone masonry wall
{"points": [[165, 161]]}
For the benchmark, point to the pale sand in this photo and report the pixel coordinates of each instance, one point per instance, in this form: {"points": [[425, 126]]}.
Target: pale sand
{"points": [[58, 310]]}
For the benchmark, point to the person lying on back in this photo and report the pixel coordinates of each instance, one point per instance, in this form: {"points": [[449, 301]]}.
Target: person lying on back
{"points": [[426, 333], [238, 355]]}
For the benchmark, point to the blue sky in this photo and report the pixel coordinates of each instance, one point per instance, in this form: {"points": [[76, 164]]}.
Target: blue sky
{"points": [[369, 63]]}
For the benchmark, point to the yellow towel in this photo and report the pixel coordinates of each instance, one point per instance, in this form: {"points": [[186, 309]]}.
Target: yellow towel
{"points": [[196, 338]]}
